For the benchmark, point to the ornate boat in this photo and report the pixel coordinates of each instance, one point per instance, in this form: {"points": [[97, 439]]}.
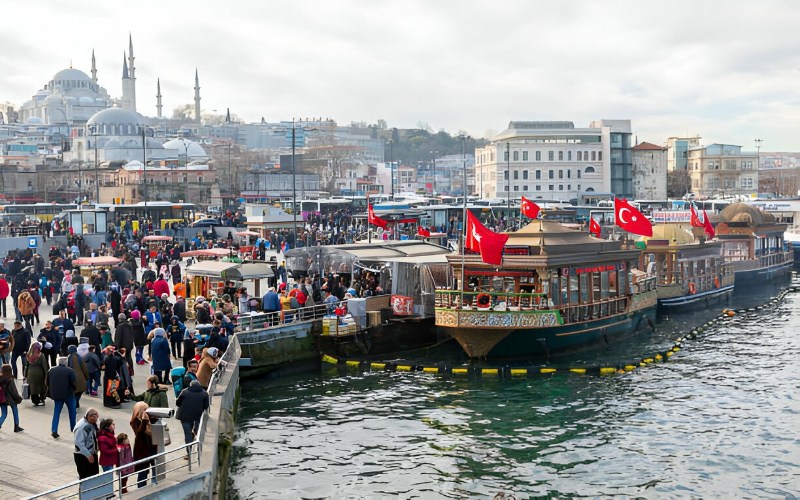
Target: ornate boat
{"points": [[557, 289], [753, 242], [687, 272]]}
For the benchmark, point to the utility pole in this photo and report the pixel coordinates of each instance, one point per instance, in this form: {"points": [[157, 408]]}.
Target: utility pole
{"points": [[508, 180], [294, 189]]}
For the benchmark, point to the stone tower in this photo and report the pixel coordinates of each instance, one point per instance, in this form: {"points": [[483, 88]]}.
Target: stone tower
{"points": [[158, 97], [196, 97]]}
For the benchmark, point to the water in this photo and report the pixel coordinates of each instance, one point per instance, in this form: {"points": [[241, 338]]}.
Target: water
{"points": [[720, 419]]}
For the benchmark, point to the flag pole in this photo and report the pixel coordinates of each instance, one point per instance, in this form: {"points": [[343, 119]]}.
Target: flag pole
{"points": [[369, 226], [463, 218]]}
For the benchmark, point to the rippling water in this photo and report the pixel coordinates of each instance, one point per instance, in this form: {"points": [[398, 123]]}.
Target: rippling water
{"points": [[720, 419]]}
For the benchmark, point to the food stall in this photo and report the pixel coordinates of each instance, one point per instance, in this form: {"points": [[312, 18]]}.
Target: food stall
{"points": [[92, 265], [207, 276], [154, 244]]}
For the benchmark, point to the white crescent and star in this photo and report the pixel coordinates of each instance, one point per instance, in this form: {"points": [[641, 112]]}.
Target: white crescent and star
{"points": [[621, 212], [475, 234]]}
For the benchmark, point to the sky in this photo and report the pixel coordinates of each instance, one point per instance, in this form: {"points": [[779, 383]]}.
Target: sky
{"points": [[726, 71]]}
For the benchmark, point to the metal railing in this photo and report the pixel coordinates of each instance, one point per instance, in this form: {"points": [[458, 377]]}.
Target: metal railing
{"points": [[268, 319], [168, 467]]}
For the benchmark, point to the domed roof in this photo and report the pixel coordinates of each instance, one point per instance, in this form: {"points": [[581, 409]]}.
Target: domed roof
{"points": [[116, 116], [672, 233], [186, 148], [53, 99], [71, 74], [744, 213]]}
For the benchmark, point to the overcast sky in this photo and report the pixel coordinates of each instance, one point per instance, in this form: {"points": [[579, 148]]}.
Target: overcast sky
{"points": [[727, 71]]}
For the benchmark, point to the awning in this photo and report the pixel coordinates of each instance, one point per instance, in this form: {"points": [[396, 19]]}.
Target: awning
{"points": [[157, 238], [210, 252], [96, 261], [250, 271], [210, 268], [247, 233]]}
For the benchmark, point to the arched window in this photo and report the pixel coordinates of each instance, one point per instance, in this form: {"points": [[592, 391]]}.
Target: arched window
{"points": [[588, 190], [589, 170]]}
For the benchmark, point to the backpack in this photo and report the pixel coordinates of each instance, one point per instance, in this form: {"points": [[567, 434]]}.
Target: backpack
{"points": [[2, 395], [176, 375]]}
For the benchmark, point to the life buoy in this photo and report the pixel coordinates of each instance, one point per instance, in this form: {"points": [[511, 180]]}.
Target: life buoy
{"points": [[483, 301], [716, 281], [692, 289]]}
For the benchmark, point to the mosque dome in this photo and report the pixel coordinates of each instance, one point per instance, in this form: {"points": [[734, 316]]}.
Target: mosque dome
{"points": [[71, 74], [186, 148], [116, 121]]}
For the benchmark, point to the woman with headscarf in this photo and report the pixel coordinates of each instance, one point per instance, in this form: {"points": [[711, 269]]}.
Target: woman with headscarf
{"points": [[36, 373], [143, 446], [113, 365], [77, 363]]}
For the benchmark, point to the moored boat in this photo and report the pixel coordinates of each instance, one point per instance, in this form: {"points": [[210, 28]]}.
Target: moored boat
{"points": [[557, 289], [753, 242], [687, 272]]}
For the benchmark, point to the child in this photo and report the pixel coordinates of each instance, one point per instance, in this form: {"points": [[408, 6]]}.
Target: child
{"points": [[107, 442], [93, 367], [125, 458]]}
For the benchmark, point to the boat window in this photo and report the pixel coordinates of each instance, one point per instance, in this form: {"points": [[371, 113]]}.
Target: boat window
{"points": [[604, 284], [584, 288]]}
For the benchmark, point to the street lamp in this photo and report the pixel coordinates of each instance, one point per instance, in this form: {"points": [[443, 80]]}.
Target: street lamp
{"points": [[434, 153], [96, 169], [508, 178], [758, 156], [391, 164], [294, 188]]}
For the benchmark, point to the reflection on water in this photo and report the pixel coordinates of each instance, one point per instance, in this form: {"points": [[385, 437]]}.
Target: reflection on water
{"points": [[718, 420]]}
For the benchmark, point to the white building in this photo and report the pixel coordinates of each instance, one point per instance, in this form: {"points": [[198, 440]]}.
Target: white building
{"points": [[723, 170], [551, 160], [649, 172]]}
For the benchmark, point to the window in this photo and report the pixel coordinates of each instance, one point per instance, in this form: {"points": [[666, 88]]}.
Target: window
{"points": [[538, 156], [505, 155], [538, 174], [516, 175], [569, 187], [590, 190], [550, 187], [729, 183], [505, 175], [747, 182], [505, 188], [516, 188], [730, 164], [560, 174], [569, 174], [560, 187], [516, 155], [560, 156], [525, 175], [551, 174], [579, 187], [579, 173], [580, 156], [538, 187], [551, 155], [747, 165], [524, 188], [593, 155], [599, 156], [589, 170], [524, 156], [569, 155]]}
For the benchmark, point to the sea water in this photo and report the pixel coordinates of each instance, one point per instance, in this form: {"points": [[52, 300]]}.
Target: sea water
{"points": [[719, 419]]}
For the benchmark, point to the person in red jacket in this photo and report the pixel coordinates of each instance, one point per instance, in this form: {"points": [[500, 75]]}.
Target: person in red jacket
{"points": [[107, 443], [4, 291]]}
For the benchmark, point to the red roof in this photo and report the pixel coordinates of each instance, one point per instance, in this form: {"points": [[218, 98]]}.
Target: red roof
{"points": [[646, 146]]}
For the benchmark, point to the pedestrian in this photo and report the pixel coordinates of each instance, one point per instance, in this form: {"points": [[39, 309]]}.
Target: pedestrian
{"points": [[9, 396], [155, 396], [6, 344], [48, 338], [191, 403], [26, 304], [159, 351], [176, 331], [36, 373], [112, 364], [139, 336], [208, 363], [78, 365], [107, 444], [123, 338], [61, 384], [86, 446], [93, 364], [125, 458], [143, 446], [5, 290], [22, 343], [105, 337]]}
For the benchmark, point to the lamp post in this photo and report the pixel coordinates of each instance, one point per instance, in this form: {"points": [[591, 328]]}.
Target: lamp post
{"points": [[391, 163], [294, 188], [758, 156], [508, 178], [80, 183], [96, 168], [144, 169], [434, 153]]}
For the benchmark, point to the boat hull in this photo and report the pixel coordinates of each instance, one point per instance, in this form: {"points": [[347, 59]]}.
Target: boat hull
{"points": [[545, 341], [381, 340], [697, 300], [759, 275]]}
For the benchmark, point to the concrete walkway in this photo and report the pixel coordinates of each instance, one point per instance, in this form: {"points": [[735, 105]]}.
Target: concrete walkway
{"points": [[32, 461]]}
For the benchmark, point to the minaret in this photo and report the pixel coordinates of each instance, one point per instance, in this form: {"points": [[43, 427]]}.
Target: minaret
{"points": [[127, 86], [94, 68], [196, 97], [158, 96], [228, 116], [132, 74]]}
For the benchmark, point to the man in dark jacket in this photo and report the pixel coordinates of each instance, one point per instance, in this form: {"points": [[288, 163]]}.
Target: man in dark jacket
{"points": [[22, 342], [115, 299], [61, 385], [179, 309], [92, 334], [191, 403], [123, 337], [49, 335]]}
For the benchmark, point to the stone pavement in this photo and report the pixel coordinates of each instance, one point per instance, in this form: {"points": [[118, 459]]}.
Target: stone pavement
{"points": [[32, 461]]}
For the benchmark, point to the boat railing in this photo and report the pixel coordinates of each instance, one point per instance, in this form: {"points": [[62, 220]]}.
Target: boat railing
{"points": [[256, 320], [497, 301]]}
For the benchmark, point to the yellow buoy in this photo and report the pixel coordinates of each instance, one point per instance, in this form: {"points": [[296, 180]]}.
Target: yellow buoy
{"points": [[329, 359], [460, 371], [547, 370], [431, 369], [519, 372], [377, 366]]}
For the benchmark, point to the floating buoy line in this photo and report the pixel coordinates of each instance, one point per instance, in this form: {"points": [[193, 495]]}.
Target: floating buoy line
{"points": [[510, 372]]}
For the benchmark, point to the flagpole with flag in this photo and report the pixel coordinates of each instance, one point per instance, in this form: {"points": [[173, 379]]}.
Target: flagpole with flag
{"points": [[369, 226], [463, 219]]}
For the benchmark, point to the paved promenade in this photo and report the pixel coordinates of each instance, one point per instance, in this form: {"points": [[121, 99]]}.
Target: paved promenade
{"points": [[32, 461]]}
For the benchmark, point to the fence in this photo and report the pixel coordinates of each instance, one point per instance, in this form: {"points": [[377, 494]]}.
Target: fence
{"points": [[171, 473]]}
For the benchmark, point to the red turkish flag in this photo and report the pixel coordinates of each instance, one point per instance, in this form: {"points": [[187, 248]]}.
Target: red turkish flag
{"points": [[594, 227], [695, 219], [528, 208], [423, 232], [375, 220], [707, 226], [631, 219], [487, 242]]}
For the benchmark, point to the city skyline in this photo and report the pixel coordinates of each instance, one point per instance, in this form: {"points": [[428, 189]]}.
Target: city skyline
{"points": [[722, 71]]}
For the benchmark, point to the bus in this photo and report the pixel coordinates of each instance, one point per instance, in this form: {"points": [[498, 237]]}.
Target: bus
{"points": [[44, 212]]}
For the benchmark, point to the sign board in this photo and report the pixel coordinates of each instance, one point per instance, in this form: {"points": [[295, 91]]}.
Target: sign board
{"points": [[402, 305], [32, 242], [672, 216]]}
